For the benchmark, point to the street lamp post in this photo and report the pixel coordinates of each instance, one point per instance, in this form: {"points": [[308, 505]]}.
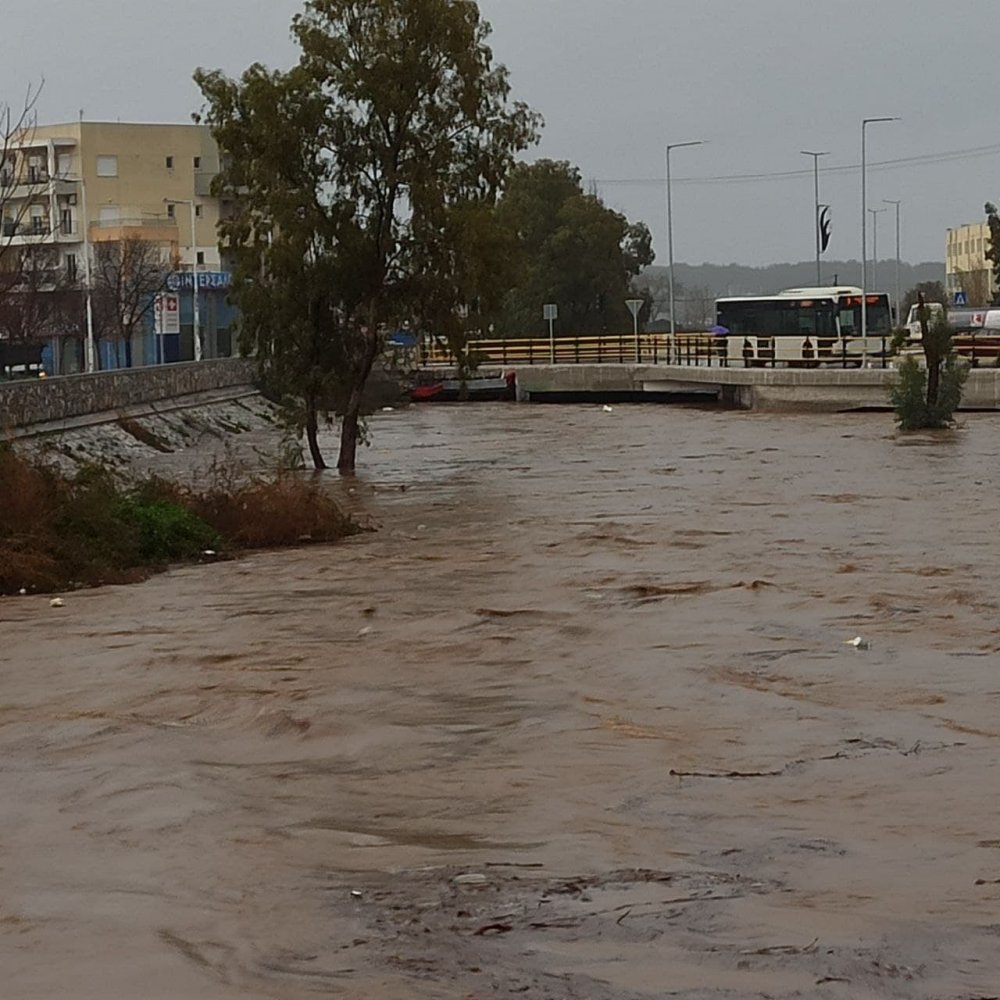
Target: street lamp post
{"points": [[864, 222], [816, 156], [897, 202], [670, 239], [874, 213], [195, 312]]}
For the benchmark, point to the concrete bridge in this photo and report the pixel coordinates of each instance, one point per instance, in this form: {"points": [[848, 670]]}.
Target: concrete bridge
{"points": [[791, 389]]}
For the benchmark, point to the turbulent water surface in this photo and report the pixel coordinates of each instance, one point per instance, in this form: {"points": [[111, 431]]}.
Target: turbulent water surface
{"points": [[593, 666]]}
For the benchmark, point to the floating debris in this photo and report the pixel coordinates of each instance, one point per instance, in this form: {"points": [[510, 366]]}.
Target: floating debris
{"points": [[858, 643], [470, 878]]}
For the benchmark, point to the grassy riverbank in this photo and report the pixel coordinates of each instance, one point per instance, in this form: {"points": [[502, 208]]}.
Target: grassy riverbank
{"points": [[61, 531]]}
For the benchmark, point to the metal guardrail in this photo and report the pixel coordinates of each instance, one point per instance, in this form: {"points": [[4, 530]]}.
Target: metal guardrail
{"points": [[693, 348]]}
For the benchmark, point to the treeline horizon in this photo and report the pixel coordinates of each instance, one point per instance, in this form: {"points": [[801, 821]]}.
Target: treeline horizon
{"points": [[744, 279]]}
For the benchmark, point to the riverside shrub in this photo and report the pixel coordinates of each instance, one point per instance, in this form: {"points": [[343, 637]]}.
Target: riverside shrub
{"points": [[61, 531]]}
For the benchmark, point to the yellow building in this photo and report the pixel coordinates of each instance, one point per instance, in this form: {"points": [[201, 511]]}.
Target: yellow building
{"points": [[966, 267], [75, 185]]}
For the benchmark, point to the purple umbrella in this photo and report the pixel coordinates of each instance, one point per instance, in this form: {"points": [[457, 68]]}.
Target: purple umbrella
{"points": [[720, 330]]}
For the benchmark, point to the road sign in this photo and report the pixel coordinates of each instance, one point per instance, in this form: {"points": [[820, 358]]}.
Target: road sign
{"points": [[167, 313], [550, 311], [961, 299], [634, 306]]}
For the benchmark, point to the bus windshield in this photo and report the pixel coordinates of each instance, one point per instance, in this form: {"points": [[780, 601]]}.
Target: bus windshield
{"points": [[877, 319]]}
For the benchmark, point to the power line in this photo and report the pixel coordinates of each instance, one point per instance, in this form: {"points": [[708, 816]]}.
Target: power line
{"points": [[926, 159]]}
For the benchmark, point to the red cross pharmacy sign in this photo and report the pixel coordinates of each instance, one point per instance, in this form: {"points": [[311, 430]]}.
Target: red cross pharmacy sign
{"points": [[167, 313]]}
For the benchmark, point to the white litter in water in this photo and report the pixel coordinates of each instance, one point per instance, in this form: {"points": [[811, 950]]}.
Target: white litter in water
{"points": [[209, 552], [356, 893], [56, 602], [472, 878], [857, 642], [388, 409], [23, 591], [607, 409], [367, 630]]}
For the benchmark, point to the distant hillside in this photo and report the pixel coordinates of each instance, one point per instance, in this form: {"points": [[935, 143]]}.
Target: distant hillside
{"points": [[738, 279]]}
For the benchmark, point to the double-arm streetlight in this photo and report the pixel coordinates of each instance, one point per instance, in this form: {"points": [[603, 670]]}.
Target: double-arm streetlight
{"points": [[816, 156], [864, 220], [897, 202], [195, 315], [670, 237]]}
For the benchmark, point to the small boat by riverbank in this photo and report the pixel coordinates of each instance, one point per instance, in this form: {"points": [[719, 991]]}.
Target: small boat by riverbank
{"points": [[425, 393], [501, 387]]}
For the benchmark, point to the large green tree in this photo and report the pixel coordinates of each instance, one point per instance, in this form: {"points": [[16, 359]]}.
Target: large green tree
{"points": [[574, 251], [359, 181]]}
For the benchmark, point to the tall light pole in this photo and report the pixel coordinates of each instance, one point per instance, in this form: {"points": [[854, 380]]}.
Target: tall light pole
{"points": [[670, 237], [874, 213], [195, 314], [864, 221], [816, 156], [897, 202]]}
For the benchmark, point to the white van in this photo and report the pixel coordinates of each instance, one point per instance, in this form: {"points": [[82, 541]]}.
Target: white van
{"points": [[935, 312]]}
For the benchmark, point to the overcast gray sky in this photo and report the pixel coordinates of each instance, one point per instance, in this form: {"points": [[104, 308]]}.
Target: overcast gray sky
{"points": [[758, 80]]}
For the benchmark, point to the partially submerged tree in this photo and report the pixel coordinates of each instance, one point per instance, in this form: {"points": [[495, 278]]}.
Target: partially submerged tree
{"points": [[574, 251], [127, 275], [927, 397], [992, 252], [350, 176]]}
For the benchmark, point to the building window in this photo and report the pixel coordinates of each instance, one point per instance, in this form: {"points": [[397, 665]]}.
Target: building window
{"points": [[170, 163], [201, 256], [66, 222], [71, 270], [107, 166], [197, 163], [197, 211], [170, 211]]}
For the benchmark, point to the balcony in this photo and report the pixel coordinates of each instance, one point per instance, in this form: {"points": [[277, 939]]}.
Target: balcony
{"points": [[33, 228]]}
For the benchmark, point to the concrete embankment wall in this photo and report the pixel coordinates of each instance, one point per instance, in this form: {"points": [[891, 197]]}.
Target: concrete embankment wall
{"points": [[47, 401], [817, 390]]}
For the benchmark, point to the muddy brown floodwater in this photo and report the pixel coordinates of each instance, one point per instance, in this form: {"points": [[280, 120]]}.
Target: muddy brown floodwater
{"points": [[605, 687]]}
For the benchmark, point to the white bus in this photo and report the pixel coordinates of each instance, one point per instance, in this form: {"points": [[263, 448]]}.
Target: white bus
{"points": [[804, 326]]}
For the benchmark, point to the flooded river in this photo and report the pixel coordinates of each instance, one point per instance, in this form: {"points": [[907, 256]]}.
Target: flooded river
{"points": [[578, 720]]}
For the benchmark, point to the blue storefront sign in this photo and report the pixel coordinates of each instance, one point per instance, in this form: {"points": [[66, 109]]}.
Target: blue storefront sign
{"points": [[206, 280]]}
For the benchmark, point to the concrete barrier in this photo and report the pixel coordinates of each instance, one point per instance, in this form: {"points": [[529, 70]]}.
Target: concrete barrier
{"points": [[827, 390], [42, 401]]}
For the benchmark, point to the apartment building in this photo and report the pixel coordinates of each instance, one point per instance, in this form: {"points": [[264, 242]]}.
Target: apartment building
{"points": [[73, 186], [966, 268]]}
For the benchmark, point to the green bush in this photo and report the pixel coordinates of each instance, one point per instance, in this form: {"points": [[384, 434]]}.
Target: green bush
{"points": [[165, 530], [909, 397]]}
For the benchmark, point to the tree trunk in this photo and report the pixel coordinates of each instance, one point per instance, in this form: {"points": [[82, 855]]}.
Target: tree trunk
{"points": [[349, 433], [350, 425], [933, 379], [312, 432]]}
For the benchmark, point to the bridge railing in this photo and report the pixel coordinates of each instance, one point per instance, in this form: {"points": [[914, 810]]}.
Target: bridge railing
{"points": [[687, 348], [649, 348]]}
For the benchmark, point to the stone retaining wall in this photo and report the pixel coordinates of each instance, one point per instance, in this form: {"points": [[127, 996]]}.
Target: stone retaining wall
{"points": [[48, 400]]}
